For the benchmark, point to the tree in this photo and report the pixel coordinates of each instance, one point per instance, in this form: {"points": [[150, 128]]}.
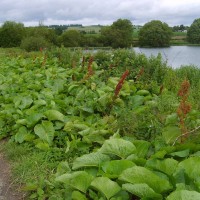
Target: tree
{"points": [[48, 34], [119, 34], [11, 34], [193, 34], [70, 38], [155, 34]]}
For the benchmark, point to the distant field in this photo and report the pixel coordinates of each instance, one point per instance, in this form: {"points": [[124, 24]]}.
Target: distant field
{"points": [[87, 29], [179, 34]]}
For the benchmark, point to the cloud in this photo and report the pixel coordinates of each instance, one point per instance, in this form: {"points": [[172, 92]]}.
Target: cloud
{"points": [[173, 12]]}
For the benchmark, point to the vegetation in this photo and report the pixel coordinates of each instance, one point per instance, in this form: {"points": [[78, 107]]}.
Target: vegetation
{"points": [[11, 34], [71, 38], [112, 125], [119, 34], [193, 33], [155, 34]]}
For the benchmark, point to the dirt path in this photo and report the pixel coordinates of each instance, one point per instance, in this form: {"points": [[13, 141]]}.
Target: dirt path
{"points": [[7, 190]]}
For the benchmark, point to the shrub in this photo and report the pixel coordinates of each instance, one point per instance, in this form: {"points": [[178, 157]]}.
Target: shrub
{"points": [[34, 43]]}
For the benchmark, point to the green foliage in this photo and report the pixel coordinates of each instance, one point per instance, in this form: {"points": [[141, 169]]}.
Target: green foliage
{"points": [[106, 186], [184, 195], [81, 143], [141, 190], [11, 34], [137, 175], [155, 34], [70, 38], [119, 34], [34, 43], [47, 34], [193, 34]]}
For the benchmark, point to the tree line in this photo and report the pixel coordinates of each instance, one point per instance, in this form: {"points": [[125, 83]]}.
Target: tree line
{"points": [[118, 35]]}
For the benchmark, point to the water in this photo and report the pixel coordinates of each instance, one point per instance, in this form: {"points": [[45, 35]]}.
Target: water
{"points": [[176, 56]]}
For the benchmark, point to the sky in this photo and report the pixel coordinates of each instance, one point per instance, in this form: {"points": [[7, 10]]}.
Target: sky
{"points": [[93, 12]]}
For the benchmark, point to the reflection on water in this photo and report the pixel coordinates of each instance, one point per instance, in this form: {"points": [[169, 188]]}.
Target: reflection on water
{"points": [[175, 55]]}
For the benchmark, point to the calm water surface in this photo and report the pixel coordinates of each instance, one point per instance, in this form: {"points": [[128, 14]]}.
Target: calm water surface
{"points": [[175, 56]]}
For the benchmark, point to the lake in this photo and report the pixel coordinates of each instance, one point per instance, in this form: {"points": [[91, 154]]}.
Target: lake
{"points": [[175, 55]]}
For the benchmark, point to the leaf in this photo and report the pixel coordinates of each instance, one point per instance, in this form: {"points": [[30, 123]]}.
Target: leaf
{"points": [[21, 134], [79, 180], [62, 168], [45, 131], [171, 119], [142, 148], [136, 101], [54, 115], [170, 133], [181, 154], [118, 147], [90, 160], [25, 102], [141, 190], [184, 195], [168, 166], [114, 168], [76, 195], [121, 195], [42, 145], [190, 166], [106, 186], [33, 119], [138, 174]]}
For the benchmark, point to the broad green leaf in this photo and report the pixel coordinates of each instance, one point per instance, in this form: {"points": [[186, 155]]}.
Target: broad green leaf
{"points": [[33, 119], [136, 101], [190, 166], [45, 131], [54, 115], [40, 102], [106, 186], [184, 195], [141, 190], [79, 180], [62, 168], [171, 119], [90, 160], [168, 166], [181, 154], [42, 145], [114, 168], [21, 134], [138, 174], [142, 148], [170, 133], [25, 103], [76, 195], [118, 147], [121, 195]]}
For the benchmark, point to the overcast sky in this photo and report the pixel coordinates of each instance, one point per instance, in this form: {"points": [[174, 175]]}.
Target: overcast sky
{"points": [[90, 12]]}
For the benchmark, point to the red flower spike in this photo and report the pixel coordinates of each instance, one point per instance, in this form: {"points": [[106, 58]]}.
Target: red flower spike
{"points": [[184, 107], [120, 83]]}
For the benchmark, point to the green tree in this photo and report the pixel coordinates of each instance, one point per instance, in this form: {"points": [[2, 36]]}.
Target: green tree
{"points": [[11, 34], [119, 34], [48, 34], [193, 34], [155, 34], [70, 38]]}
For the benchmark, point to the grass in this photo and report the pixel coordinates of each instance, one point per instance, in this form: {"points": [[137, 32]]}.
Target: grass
{"points": [[28, 164]]}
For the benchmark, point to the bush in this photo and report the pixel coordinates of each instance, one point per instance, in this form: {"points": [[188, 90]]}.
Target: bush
{"points": [[155, 34], [34, 43], [193, 34]]}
